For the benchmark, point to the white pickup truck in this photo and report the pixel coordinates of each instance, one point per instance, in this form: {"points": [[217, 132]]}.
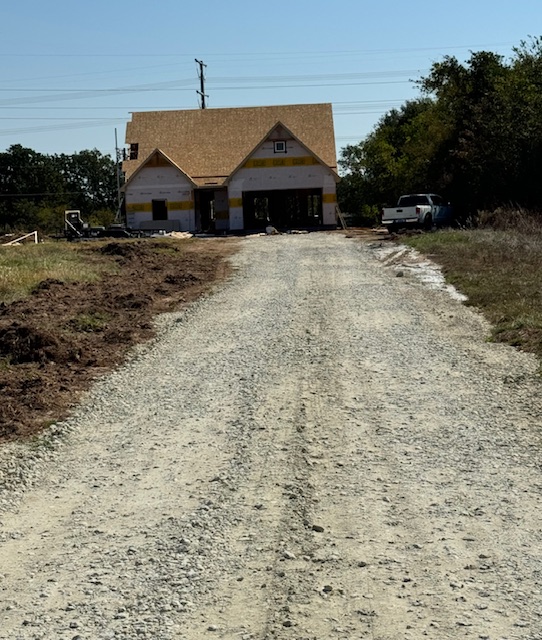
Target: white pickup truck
{"points": [[419, 210]]}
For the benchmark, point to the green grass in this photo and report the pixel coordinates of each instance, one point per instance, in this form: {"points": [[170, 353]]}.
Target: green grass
{"points": [[90, 322], [23, 267], [501, 273]]}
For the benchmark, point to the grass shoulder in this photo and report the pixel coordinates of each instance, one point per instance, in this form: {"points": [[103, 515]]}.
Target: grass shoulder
{"points": [[500, 271], [24, 267]]}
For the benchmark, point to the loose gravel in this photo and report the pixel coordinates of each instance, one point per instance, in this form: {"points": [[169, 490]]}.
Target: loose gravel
{"points": [[317, 450]]}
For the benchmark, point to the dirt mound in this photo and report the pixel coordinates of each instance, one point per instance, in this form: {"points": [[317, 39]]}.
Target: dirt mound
{"points": [[48, 284], [53, 343], [23, 343], [181, 278], [122, 249], [133, 300]]}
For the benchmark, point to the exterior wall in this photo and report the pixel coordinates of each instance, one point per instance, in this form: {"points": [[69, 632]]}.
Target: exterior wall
{"points": [[160, 183], [266, 170], [329, 201]]}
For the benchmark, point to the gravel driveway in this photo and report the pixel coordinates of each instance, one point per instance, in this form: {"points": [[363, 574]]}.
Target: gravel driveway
{"points": [[318, 450]]}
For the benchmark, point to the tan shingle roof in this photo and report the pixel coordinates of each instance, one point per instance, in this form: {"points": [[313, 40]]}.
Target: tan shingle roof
{"points": [[208, 144]]}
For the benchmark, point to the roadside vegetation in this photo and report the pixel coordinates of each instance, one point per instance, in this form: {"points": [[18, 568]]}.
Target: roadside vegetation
{"points": [[499, 268], [24, 267]]}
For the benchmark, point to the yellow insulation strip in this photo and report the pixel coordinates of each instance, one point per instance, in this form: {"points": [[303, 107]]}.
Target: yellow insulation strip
{"points": [[266, 163], [146, 207]]}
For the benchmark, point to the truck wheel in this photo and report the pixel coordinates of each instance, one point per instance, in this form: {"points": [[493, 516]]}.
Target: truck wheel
{"points": [[428, 222]]}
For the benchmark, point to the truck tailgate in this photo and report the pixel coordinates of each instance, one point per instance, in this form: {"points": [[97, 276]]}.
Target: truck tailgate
{"points": [[400, 214]]}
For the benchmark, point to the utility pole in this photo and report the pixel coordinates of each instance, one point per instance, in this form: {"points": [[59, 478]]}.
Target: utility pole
{"points": [[201, 92], [118, 159]]}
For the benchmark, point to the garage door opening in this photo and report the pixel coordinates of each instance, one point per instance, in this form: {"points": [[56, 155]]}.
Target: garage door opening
{"points": [[289, 209]]}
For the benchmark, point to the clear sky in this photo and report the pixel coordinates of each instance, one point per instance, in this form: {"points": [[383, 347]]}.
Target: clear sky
{"points": [[71, 72]]}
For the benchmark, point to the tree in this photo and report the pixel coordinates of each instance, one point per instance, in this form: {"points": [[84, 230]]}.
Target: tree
{"points": [[36, 188], [91, 180], [396, 157], [526, 106], [28, 179], [478, 149], [474, 135]]}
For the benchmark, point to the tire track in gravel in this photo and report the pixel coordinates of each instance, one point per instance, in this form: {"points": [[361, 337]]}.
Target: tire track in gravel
{"points": [[318, 450]]}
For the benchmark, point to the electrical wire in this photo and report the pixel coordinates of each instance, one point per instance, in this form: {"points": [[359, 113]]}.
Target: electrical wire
{"points": [[260, 54]]}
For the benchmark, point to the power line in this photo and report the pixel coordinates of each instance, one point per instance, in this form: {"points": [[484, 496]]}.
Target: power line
{"points": [[320, 84], [340, 109], [169, 84], [392, 73], [60, 127], [132, 107], [371, 78], [166, 86], [261, 54], [103, 92], [102, 72]]}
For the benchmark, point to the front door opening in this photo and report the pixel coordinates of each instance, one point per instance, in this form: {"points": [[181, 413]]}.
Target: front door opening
{"points": [[205, 210]]}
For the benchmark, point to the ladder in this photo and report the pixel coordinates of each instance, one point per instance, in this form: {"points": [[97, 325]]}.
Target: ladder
{"points": [[340, 218]]}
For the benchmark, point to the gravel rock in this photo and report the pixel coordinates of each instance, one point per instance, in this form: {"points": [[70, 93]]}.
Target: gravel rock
{"points": [[314, 386]]}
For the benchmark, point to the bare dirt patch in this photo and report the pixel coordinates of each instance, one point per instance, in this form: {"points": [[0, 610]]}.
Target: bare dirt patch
{"points": [[56, 341]]}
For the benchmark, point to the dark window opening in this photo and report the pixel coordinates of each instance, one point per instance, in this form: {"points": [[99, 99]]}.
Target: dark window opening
{"points": [[280, 146], [134, 150], [159, 209]]}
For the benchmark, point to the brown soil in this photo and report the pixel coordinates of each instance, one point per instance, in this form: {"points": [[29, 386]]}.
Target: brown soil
{"points": [[56, 341]]}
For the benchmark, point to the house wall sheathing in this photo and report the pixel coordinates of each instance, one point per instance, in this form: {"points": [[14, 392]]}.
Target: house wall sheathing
{"points": [[266, 170], [160, 183]]}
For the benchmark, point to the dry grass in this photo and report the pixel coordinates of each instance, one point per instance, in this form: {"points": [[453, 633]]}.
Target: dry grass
{"points": [[501, 273], [23, 267]]}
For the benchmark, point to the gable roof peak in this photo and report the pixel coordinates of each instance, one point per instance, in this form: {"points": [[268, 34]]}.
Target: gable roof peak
{"points": [[158, 153], [210, 143]]}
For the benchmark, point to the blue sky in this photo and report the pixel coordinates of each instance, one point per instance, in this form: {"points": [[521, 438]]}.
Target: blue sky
{"points": [[71, 72]]}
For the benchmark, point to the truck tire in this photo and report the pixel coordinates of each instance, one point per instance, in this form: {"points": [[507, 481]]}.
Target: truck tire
{"points": [[428, 222]]}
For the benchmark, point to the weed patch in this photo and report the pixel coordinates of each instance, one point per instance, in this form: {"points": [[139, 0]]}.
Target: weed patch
{"points": [[500, 271], [27, 267], [89, 322]]}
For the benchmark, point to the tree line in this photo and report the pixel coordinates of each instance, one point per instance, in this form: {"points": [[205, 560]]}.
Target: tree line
{"points": [[474, 135], [36, 188]]}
